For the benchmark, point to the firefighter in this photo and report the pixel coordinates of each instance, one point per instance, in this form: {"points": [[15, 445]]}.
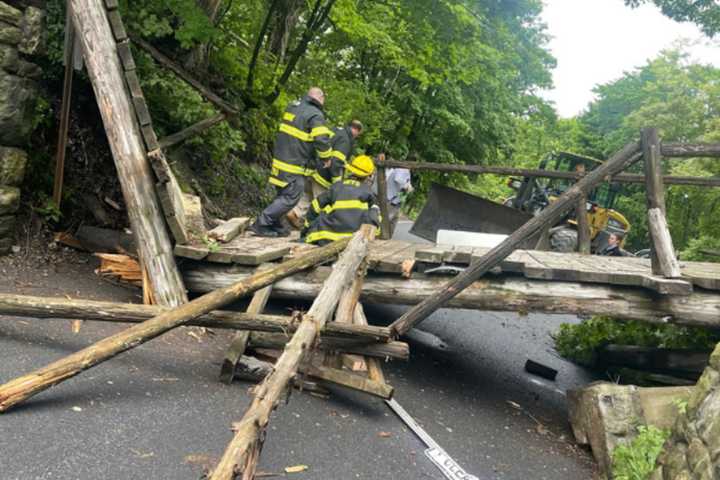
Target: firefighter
{"points": [[302, 135], [342, 143], [346, 206]]}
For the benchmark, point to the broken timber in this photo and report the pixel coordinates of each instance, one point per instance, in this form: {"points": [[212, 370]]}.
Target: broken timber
{"points": [[244, 449], [106, 74], [22, 388], [64, 308], [549, 216]]}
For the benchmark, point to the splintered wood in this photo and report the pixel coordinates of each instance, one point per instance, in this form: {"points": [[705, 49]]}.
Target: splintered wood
{"points": [[120, 268]]}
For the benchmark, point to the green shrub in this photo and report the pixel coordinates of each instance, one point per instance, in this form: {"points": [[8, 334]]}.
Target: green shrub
{"points": [[636, 460], [578, 342]]}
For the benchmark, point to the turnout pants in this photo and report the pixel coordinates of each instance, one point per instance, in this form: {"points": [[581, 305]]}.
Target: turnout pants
{"points": [[312, 191], [286, 198]]}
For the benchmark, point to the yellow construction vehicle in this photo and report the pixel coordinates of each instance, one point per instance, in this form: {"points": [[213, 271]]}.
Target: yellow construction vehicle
{"points": [[534, 194]]}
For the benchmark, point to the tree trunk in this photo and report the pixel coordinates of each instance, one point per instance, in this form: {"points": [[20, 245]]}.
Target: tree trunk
{"points": [[136, 179], [505, 294], [22, 388], [243, 451]]}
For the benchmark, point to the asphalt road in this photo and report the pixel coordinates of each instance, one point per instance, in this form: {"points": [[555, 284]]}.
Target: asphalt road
{"points": [[158, 412]]}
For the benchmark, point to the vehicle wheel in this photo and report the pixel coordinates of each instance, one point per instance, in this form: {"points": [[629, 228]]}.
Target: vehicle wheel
{"points": [[564, 240]]}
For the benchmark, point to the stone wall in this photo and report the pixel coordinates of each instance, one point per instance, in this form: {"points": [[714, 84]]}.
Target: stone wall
{"points": [[693, 450], [21, 39]]}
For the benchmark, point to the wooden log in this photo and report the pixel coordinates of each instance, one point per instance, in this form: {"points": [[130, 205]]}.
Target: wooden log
{"points": [[687, 150], [229, 230], [344, 314], [253, 369], [106, 74], [206, 92], [583, 226], [506, 293], [549, 216], [668, 264], [267, 395], [191, 131], [239, 342], [385, 228], [654, 188], [375, 372], [524, 172], [65, 308], [22, 388], [395, 349]]}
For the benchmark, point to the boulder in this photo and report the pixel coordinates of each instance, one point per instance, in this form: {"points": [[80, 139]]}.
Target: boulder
{"points": [[12, 166], [33, 32], [10, 14], [17, 104], [605, 415], [9, 200], [9, 57], [10, 34]]}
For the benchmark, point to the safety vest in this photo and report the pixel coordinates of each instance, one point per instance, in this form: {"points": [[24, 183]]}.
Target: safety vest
{"points": [[342, 144], [341, 211], [302, 134]]}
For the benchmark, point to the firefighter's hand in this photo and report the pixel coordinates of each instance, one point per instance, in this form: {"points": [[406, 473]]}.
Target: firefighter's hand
{"points": [[327, 163], [381, 157]]}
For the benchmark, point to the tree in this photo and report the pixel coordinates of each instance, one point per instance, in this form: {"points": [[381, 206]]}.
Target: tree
{"points": [[706, 13]]}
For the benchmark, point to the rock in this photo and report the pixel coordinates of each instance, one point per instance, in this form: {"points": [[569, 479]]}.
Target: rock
{"points": [[9, 200], [12, 166], [5, 245], [10, 34], [9, 57], [10, 14], [28, 70], [699, 459], [17, 104], [33, 32]]}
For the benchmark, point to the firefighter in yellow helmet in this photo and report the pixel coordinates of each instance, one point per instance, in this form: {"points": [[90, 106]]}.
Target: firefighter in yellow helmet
{"points": [[340, 211]]}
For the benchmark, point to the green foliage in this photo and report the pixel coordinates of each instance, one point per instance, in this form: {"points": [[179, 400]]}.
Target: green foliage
{"points": [[579, 342], [706, 13], [636, 460], [48, 209]]}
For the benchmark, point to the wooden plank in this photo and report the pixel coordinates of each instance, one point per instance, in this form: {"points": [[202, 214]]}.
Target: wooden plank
{"points": [[149, 137], [375, 372], [583, 226], [191, 131], [654, 189], [160, 165], [251, 251], [141, 111], [687, 150], [240, 340], [111, 4], [117, 26], [191, 251], [64, 112], [146, 221], [229, 230], [396, 260], [431, 253], [126, 56]]}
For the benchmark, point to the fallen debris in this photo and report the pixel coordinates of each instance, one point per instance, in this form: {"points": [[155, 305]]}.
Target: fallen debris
{"points": [[540, 370]]}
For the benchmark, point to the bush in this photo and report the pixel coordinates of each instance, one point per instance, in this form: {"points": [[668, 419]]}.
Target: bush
{"points": [[636, 460], [578, 342]]}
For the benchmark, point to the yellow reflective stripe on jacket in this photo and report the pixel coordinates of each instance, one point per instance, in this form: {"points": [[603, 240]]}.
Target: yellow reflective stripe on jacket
{"points": [[325, 154], [336, 179], [315, 205], [277, 182], [295, 132], [339, 155], [288, 167], [326, 235], [321, 130], [320, 179], [288, 116], [346, 205]]}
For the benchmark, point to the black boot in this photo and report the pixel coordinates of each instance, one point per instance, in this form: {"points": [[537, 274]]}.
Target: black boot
{"points": [[262, 231]]}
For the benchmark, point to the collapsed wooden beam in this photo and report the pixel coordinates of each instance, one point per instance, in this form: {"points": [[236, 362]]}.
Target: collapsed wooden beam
{"points": [[128, 150], [242, 453], [24, 387], [506, 293], [689, 150], [63, 308], [191, 131], [549, 216], [396, 350], [524, 172]]}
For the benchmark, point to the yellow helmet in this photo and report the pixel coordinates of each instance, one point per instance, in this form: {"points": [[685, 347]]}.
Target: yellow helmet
{"points": [[361, 166]]}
